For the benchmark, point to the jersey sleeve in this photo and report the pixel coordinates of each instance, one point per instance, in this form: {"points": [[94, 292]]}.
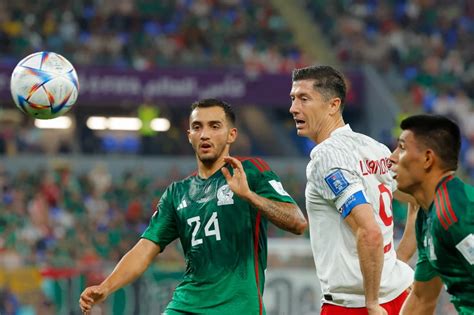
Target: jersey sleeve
{"points": [[264, 182], [334, 177], [424, 271], [162, 228]]}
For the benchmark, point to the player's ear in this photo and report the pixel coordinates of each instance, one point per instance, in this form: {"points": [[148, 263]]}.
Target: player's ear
{"points": [[232, 136], [189, 135], [429, 159], [334, 105]]}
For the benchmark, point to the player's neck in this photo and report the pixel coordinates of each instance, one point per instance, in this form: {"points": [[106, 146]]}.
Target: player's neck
{"points": [[426, 194], [207, 170], [329, 128]]}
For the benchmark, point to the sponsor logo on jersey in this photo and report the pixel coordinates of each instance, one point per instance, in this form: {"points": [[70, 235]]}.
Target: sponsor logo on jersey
{"points": [[278, 187], [337, 182], [182, 205], [466, 247], [224, 196]]}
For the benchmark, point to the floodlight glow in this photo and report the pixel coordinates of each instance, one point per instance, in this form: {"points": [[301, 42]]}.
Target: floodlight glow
{"points": [[124, 123], [160, 124], [62, 122], [96, 123]]}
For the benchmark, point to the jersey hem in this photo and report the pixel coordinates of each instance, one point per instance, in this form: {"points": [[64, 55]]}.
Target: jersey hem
{"points": [[355, 304]]}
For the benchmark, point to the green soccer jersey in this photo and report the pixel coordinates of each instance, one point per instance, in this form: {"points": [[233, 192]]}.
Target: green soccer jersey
{"points": [[223, 239], [445, 237]]}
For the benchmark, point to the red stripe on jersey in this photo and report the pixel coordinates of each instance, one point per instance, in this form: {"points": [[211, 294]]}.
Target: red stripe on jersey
{"points": [[255, 254], [253, 161], [442, 201], [265, 165], [448, 203], [438, 212], [448, 179]]}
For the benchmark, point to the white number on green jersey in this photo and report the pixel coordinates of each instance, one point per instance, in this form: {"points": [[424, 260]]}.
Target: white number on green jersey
{"points": [[211, 228]]}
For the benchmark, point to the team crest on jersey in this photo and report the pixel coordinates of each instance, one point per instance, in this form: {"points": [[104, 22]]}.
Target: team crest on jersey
{"points": [[224, 196], [337, 182]]}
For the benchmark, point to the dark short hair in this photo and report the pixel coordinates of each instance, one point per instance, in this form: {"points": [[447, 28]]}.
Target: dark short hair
{"points": [[327, 81], [437, 133], [211, 102]]}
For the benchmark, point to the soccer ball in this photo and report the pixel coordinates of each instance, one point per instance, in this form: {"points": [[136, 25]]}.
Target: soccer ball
{"points": [[44, 85]]}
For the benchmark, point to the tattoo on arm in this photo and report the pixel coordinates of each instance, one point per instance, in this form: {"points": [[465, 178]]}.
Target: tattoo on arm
{"points": [[285, 215]]}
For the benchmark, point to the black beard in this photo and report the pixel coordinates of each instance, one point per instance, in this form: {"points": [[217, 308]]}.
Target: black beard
{"points": [[208, 161]]}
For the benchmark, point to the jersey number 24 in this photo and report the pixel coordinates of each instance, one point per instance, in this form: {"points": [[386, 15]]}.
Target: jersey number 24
{"points": [[210, 229]]}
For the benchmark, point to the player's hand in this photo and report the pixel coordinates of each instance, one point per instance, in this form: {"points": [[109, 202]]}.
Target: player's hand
{"points": [[377, 310], [91, 296], [237, 181]]}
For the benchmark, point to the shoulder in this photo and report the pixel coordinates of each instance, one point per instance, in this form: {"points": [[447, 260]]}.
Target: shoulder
{"points": [[329, 149], [454, 203], [332, 155], [454, 193], [181, 184], [255, 164]]}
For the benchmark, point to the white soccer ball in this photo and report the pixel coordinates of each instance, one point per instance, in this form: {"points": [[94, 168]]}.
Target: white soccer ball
{"points": [[44, 85]]}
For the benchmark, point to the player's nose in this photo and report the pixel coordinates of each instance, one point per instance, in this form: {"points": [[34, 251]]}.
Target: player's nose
{"points": [[204, 134], [394, 157], [293, 108]]}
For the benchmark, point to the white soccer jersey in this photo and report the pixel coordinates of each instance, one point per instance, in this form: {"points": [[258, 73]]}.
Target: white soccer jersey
{"points": [[344, 169]]}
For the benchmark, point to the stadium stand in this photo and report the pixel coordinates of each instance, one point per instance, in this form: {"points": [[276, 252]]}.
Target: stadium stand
{"points": [[66, 224]]}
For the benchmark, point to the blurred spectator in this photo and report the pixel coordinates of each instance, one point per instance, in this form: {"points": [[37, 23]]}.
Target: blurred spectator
{"points": [[422, 48], [146, 113], [9, 304], [145, 34]]}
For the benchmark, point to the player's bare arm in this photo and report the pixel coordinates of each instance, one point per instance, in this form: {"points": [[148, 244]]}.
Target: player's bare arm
{"points": [[407, 246], [423, 297], [129, 268], [284, 215], [370, 249]]}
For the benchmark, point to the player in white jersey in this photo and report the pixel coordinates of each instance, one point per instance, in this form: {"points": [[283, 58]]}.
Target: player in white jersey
{"points": [[348, 200]]}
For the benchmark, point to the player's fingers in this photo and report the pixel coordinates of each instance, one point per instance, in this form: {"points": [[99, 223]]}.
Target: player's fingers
{"points": [[97, 294], [226, 173], [235, 163], [85, 307], [85, 299]]}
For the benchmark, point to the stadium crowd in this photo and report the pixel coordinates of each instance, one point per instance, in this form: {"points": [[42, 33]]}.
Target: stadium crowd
{"points": [[147, 34], [430, 56], [422, 48]]}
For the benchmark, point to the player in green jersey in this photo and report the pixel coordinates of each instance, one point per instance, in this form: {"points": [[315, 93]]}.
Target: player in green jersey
{"points": [[424, 163], [220, 216]]}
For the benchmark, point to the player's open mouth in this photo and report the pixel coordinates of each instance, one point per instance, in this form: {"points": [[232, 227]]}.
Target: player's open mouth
{"points": [[205, 146], [299, 123]]}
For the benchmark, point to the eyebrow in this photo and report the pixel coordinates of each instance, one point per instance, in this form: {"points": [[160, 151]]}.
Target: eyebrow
{"points": [[210, 122], [299, 94]]}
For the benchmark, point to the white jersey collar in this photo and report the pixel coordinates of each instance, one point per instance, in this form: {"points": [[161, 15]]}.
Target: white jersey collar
{"points": [[344, 128]]}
